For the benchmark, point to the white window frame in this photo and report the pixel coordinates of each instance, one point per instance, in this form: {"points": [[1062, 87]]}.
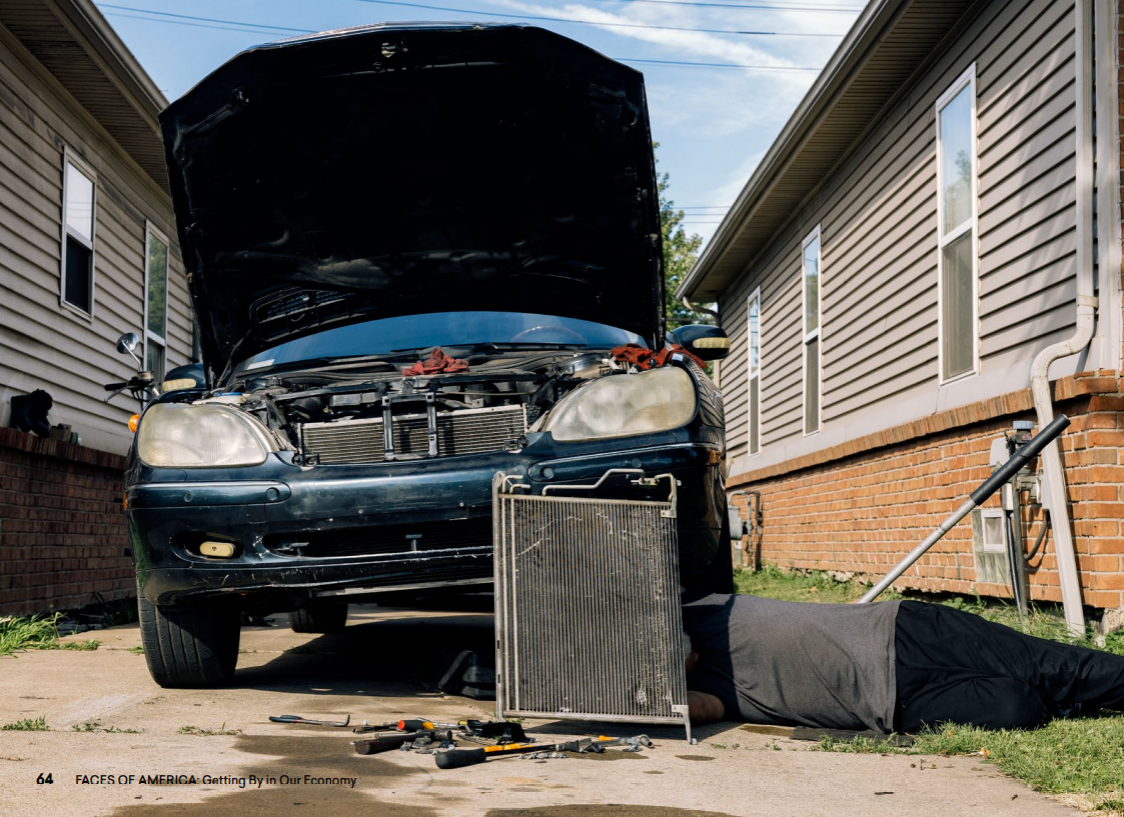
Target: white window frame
{"points": [[151, 230], [70, 158], [751, 375], [965, 80], [807, 336]]}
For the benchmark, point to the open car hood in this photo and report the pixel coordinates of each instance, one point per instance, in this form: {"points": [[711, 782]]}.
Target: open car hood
{"points": [[406, 168]]}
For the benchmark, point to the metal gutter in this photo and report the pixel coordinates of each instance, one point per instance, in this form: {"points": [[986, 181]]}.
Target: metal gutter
{"points": [[1054, 496]]}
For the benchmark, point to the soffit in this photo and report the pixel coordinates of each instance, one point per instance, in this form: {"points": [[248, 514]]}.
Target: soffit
{"points": [[882, 51]]}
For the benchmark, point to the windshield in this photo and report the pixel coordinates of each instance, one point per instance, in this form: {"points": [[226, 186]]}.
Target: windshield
{"points": [[419, 332]]}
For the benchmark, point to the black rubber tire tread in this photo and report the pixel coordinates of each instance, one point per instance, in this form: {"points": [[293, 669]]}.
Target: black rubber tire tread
{"points": [[190, 645], [319, 617]]}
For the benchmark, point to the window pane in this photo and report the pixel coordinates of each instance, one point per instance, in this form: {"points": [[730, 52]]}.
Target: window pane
{"points": [[957, 309], [754, 336], [154, 359], [754, 400], [79, 203], [157, 285], [956, 160], [812, 286], [812, 386], [79, 264]]}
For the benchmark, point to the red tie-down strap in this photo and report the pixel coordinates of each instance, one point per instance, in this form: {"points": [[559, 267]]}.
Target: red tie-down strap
{"points": [[637, 355], [438, 363]]}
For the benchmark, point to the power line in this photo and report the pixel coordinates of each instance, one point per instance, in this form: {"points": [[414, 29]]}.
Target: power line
{"points": [[468, 11], [596, 23], [225, 23], [755, 7], [684, 63], [206, 22]]}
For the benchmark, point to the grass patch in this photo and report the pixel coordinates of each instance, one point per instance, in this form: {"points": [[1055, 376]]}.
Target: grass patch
{"points": [[27, 725], [36, 633], [206, 733], [139, 650], [94, 726], [1083, 756]]}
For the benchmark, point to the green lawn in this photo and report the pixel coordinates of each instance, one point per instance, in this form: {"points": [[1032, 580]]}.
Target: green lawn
{"points": [[1080, 756]]}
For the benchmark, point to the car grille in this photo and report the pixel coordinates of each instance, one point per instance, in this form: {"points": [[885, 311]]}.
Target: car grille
{"points": [[420, 537], [471, 431]]}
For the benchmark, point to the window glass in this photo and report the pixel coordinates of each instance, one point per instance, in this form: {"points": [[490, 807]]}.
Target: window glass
{"points": [[157, 285], [754, 418], [754, 407], [754, 336], [76, 282], [79, 203], [958, 309], [956, 160], [812, 285], [154, 359], [812, 386]]}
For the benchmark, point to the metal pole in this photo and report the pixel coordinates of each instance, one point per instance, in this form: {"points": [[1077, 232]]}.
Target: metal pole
{"points": [[1001, 475]]}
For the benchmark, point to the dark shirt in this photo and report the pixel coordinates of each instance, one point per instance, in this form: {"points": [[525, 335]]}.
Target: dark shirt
{"points": [[795, 663]]}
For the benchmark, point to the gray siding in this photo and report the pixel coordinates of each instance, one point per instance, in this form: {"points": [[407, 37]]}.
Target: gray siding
{"points": [[42, 344], [878, 218]]}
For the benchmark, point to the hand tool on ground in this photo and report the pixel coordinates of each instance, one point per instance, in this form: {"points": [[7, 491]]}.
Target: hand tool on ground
{"points": [[375, 727], [309, 721], [458, 758], [387, 741], [633, 744], [500, 731]]}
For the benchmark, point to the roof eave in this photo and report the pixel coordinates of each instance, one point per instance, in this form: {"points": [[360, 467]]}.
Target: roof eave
{"points": [[97, 31], [848, 57]]}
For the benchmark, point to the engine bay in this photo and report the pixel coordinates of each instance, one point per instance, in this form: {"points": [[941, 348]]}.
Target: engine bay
{"points": [[371, 411]]}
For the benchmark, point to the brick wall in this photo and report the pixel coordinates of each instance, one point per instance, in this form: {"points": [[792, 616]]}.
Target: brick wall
{"points": [[62, 529], [861, 507]]}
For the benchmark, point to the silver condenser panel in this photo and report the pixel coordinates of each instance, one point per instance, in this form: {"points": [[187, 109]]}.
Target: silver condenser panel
{"points": [[588, 620]]}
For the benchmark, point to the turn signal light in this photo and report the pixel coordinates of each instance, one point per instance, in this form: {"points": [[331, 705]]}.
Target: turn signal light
{"points": [[711, 343], [133, 423], [218, 550]]}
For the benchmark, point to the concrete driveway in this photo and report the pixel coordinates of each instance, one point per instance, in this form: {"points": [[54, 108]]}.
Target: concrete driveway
{"points": [[382, 668]]}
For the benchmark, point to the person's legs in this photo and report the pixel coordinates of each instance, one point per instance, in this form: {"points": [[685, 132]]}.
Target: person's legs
{"points": [[938, 646], [994, 703]]}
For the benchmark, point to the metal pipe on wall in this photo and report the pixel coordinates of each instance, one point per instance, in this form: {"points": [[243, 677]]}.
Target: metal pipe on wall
{"points": [[1054, 496]]}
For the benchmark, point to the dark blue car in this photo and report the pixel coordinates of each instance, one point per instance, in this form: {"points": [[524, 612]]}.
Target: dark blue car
{"points": [[347, 203]]}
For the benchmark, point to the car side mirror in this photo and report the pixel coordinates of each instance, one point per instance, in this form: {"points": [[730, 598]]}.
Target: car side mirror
{"points": [[705, 342], [127, 345]]}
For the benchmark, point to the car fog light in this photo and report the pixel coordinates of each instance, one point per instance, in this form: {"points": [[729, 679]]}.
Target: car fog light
{"points": [[219, 550]]}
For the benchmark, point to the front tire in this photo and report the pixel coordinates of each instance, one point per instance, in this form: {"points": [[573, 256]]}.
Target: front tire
{"points": [[191, 645], [319, 617]]}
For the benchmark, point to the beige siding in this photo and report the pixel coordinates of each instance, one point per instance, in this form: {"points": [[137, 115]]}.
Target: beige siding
{"points": [[878, 218], [42, 344]]}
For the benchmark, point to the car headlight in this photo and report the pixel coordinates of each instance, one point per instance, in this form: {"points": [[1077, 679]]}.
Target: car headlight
{"points": [[173, 435], [625, 405]]}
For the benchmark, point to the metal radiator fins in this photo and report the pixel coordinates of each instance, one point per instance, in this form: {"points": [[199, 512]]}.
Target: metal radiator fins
{"points": [[587, 606], [470, 431]]}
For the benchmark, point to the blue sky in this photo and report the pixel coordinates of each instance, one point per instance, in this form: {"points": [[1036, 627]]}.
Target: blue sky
{"points": [[713, 124]]}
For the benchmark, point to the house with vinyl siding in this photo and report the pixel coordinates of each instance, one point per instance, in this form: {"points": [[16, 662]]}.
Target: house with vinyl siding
{"points": [[87, 253], [888, 275]]}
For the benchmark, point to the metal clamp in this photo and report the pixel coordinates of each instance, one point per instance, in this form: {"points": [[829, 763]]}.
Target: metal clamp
{"points": [[642, 479]]}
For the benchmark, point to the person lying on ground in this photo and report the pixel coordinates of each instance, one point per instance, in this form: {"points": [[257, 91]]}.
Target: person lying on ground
{"points": [[892, 667]]}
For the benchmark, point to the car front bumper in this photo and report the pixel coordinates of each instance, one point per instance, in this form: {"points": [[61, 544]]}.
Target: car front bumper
{"points": [[172, 511]]}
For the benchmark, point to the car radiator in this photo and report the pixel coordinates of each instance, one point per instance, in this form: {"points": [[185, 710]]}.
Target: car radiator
{"points": [[588, 618], [469, 431]]}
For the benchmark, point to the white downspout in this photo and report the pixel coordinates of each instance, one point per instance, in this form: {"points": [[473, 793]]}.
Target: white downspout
{"points": [[1054, 487]]}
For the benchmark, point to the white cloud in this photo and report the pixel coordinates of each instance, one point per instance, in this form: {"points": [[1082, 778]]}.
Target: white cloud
{"points": [[715, 46]]}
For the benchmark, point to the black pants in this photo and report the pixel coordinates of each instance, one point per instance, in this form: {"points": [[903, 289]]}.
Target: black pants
{"points": [[957, 667]]}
